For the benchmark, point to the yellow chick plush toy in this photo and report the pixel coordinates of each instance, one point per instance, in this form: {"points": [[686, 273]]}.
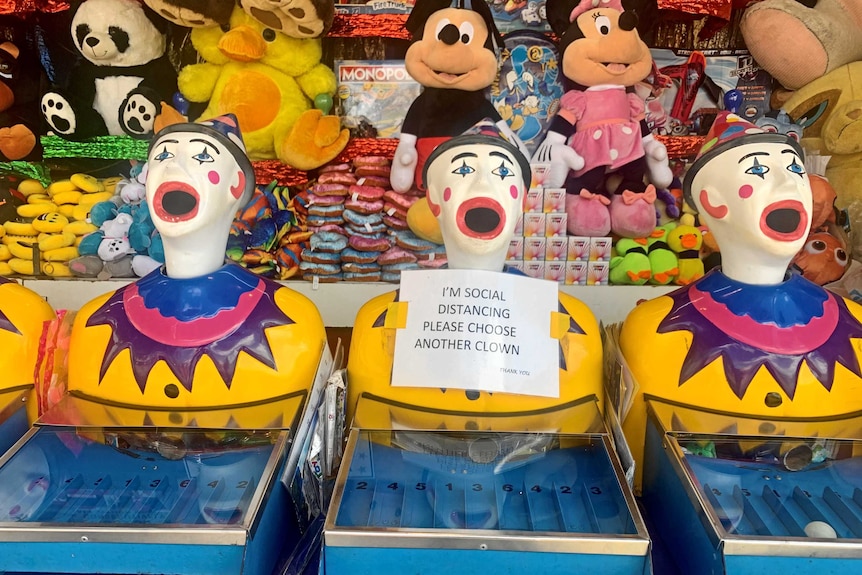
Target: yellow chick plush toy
{"points": [[268, 80]]}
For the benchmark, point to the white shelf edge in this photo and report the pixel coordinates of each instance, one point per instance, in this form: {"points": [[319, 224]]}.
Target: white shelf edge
{"points": [[339, 302]]}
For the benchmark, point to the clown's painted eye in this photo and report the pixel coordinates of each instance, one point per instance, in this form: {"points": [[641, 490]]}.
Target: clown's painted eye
{"points": [[466, 32], [203, 157], [503, 171], [163, 155], [796, 168], [463, 170], [603, 24], [757, 169]]}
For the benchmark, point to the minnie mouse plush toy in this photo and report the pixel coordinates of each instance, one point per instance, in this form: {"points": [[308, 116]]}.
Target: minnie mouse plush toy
{"points": [[600, 127]]}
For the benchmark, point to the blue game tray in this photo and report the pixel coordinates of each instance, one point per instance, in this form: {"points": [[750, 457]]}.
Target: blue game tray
{"points": [[61, 476], [770, 497], [755, 495], [414, 499], [512, 481], [140, 501]]}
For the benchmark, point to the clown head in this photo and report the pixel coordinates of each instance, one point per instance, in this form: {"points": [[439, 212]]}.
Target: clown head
{"points": [[198, 177], [752, 191], [476, 184]]}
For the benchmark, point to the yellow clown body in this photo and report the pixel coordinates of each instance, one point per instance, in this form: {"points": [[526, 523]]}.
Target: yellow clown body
{"points": [[22, 315], [370, 366], [184, 368]]}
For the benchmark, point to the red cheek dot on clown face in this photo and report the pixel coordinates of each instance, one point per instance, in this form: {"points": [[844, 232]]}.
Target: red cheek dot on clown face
{"points": [[514, 191], [745, 191], [214, 177], [447, 194]]}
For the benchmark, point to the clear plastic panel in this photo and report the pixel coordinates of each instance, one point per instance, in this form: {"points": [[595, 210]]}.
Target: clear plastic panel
{"points": [[125, 477], [533, 482], [778, 487]]}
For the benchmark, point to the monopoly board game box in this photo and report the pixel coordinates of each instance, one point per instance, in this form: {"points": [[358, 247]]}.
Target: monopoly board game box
{"points": [[374, 95], [688, 87]]}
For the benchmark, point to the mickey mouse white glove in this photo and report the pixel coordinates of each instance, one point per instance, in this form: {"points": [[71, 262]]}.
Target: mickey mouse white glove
{"points": [[404, 162], [660, 174], [561, 157]]}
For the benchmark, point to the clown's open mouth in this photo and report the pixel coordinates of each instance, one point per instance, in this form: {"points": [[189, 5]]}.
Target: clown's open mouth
{"points": [[481, 218], [175, 202], [785, 221]]}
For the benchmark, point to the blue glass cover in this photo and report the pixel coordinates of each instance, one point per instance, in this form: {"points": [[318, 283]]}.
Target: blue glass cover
{"points": [[500, 481], [780, 487], [102, 477]]}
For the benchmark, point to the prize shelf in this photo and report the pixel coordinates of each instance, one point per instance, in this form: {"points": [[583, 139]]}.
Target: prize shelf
{"points": [[339, 302]]}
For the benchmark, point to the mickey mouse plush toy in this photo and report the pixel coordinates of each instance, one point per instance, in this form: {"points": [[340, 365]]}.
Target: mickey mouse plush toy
{"points": [[601, 127], [454, 56]]}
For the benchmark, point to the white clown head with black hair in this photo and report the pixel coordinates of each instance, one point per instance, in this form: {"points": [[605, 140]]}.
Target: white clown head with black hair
{"points": [[198, 176]]}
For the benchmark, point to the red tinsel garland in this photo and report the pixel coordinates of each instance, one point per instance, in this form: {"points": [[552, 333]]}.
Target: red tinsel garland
{"points": [[268, 170], [682, 147], [22, 6], [718, 8], [369, 25]]}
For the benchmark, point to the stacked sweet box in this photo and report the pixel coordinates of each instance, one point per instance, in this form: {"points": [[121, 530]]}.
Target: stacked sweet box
{"points": [[360, 226], [541, 247]]}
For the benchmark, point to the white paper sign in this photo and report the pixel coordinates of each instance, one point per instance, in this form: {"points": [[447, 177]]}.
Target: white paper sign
{"points": [[477, 330]]}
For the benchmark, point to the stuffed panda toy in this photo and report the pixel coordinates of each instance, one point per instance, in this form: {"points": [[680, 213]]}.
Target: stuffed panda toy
{"points": [[121, 78]]}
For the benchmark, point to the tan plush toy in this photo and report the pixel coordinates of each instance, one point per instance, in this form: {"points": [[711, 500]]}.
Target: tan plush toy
{"points": [[829, 109], [798, 42]]}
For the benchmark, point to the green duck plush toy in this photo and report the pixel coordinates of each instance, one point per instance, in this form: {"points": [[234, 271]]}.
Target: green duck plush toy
{"points": [[631, 265], [663, 261]]}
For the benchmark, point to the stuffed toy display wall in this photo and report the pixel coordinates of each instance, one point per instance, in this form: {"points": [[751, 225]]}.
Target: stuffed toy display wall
{"points": [[601, 126], [121, 78]]}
